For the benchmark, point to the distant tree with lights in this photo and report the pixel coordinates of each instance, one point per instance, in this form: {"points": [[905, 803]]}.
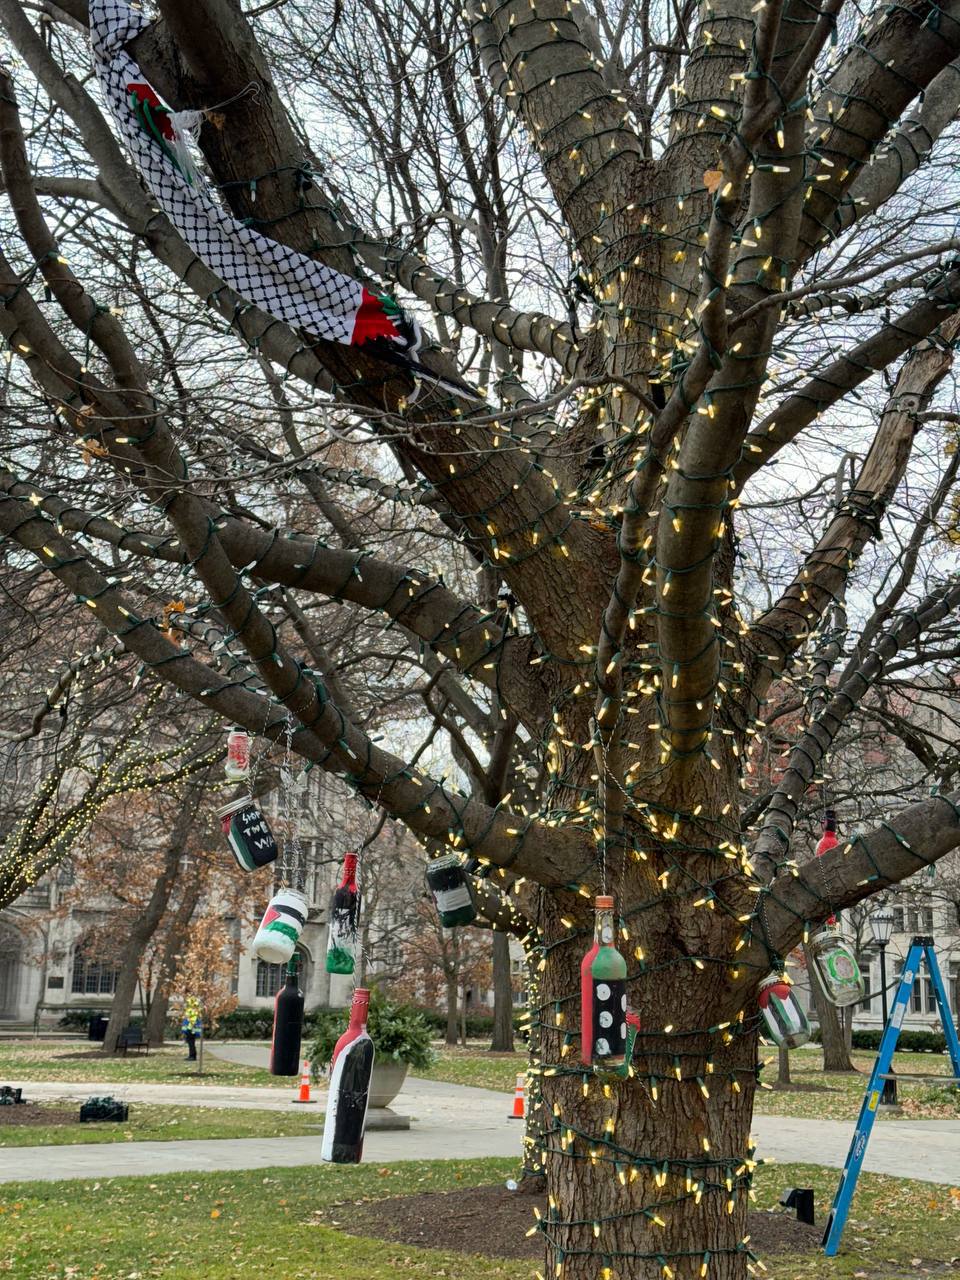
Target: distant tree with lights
{"points": [[732, 211]]}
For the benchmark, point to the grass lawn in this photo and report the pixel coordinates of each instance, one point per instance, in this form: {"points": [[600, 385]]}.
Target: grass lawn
{"points": [[250, 1225], [75, 1062], [837, 1097], [157, 1124]]}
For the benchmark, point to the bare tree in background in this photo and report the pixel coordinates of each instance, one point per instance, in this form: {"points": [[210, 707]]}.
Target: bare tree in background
{"points": [[679, 260]]}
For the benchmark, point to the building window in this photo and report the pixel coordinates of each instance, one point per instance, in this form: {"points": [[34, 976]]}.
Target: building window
{"points": [[898, 922], [867, 1001], [92, 977], [920, 919], [271, 977], [955, 986]]}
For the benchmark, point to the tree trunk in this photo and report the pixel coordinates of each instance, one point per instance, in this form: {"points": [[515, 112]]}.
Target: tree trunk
{"points": [[836, 1055], [502, 1041], [783, 1067], [173, 946], [147, 923], [453, 988], [649, 1174]]}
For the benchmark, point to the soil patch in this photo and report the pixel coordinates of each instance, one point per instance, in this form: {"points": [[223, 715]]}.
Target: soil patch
{"points": [[32, 1113], [493, 1222]]}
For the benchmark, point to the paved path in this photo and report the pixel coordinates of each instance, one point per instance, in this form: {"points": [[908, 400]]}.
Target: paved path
{"points": [[447, 1120]]}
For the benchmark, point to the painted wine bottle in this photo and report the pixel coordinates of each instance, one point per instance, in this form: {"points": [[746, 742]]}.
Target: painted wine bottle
{"points": [[344, 920], [603, 996], [350, 1073], [287, 1025], [827, 842]]}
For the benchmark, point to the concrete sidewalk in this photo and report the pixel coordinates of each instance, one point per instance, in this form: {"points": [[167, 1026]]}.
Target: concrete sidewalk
{"points": [[448, 1120], [452, 1120]]}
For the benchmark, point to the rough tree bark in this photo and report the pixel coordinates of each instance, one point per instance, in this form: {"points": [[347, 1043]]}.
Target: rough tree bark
{"points": [[502, 1039]]}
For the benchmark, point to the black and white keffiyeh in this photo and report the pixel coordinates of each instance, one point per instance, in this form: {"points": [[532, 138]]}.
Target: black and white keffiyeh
{"points": [[286, 284]]}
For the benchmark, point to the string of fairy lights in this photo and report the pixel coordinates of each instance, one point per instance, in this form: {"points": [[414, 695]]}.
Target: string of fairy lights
{"points": [[686, 857]]}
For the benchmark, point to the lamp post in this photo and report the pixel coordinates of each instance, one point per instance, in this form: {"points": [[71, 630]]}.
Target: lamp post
{"points": [[881, 926]]}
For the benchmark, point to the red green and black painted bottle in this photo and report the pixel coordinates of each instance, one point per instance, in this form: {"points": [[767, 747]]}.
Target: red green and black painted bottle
{"points": [[350, 1071], [603, 996], [827, 842], [344, 920]]}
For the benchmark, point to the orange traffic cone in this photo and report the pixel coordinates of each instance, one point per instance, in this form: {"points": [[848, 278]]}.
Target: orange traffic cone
{"points": [[304, 1094], [517, 1113]]}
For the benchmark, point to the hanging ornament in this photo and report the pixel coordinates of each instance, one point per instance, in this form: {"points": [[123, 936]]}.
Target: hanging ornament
{"points": [[280, 927], [248, 835], [237, 766], [448, 883], [344, 920], [828, 841], [834, 957], [603, 996], [350, 1072], [784, 1021], [287, 1025]]}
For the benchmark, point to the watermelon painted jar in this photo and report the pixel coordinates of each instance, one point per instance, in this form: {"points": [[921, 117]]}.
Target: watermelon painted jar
{"points": [[281, 926], [784, 1021], [835, 961]]}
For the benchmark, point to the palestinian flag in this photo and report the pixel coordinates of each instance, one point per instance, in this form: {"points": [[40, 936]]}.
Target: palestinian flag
{"points": [[288, 285]]}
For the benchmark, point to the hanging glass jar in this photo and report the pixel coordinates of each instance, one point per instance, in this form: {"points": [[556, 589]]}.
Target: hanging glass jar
{"points": [[281, 926], [447, 882], [603, 996], [237, 765], [835, 960], [784, 1021]]}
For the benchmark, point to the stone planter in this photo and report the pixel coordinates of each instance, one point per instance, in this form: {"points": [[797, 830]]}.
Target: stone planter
{"points": [[386, 1082]]}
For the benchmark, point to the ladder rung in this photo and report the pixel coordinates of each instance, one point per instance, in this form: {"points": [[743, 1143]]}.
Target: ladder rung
{"points": [[922, 1079]]}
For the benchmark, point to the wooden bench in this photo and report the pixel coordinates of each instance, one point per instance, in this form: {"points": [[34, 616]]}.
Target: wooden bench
{"points": [[133, 1038]]}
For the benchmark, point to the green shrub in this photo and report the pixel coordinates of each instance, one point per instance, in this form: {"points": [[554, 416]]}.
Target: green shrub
{"points": [[244, 1024], [479, 1025], [908, 1042], [79, 1019], [399, 1032]]}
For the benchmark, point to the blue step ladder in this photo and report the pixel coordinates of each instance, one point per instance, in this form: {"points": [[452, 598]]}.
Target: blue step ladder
{"points": [[920, 949]]}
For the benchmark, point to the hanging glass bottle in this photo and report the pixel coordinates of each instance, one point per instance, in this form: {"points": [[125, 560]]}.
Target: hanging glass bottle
{"points": [[287, 1025], [344, 920], [603, 996], [350, 1071], [447, 882], [835, 960], [784, 1021], [237, 765], [827, 842]]}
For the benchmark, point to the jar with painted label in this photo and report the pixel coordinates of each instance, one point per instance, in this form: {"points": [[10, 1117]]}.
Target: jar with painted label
{"points": [[784, 1021], [447, 882], [835, 961]]}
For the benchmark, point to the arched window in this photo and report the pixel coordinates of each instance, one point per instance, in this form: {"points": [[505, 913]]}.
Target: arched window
{"points": [[92, 976]]}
